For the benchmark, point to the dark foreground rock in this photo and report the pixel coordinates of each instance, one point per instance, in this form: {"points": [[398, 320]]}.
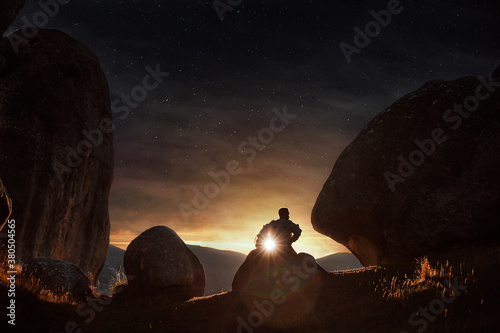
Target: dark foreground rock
{"points": [[56, 149], [364, 300], [159, 260], [421, 176], [61, 278], [283, 286]]}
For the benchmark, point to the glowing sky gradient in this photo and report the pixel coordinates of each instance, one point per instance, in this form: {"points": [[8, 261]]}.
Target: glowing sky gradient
{"points": [[227, 77], [280, 175]]}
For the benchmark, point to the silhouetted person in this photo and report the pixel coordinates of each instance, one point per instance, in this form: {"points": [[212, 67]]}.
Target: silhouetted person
{"points": [[283, 231]]}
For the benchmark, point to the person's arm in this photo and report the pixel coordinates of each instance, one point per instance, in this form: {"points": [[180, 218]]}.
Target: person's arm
{"points": [[296, 232]]}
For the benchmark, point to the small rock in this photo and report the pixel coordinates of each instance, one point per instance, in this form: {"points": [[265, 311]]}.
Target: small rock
{"points": [[62, 278]]}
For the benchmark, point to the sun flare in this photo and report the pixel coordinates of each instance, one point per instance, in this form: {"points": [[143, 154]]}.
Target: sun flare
{"points": [[269, 244]]}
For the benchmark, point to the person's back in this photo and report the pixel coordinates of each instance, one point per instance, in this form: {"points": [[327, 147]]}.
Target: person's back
{"points": [[283, 231]]}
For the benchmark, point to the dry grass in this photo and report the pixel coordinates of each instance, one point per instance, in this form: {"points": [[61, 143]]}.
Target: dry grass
{"points": [[120, 280], [30, 285], [426, 277]]}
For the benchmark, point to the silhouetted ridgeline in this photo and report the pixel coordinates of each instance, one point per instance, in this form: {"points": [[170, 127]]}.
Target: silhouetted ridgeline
{"points": [[220, 266]]}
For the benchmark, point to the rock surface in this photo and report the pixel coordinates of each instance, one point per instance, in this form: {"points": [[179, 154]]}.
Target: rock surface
{"points": [[420, 176], [284, 286], [5, 205], [62, 278], [8, 12], [52, 93], [159, 259]]}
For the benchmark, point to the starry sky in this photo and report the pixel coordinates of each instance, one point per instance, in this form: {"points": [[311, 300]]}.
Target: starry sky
{"points": [[228, 79]]}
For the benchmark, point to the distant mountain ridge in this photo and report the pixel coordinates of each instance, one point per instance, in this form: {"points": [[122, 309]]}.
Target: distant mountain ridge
{"points": [[220, 266], [113, 264], [339, 262]]}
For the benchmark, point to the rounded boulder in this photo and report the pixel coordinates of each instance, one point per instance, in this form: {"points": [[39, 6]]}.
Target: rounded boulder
{"points": [[159, 259], [420, 177], [61, 278]]}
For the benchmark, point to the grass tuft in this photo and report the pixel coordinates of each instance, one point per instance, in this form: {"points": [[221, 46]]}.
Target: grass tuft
{"points": [[119, 280], [31, 285], [425, 278]]}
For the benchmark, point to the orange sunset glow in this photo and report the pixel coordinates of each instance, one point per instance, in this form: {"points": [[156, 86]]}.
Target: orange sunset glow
{"points": [[227, 235], [284, 174]]}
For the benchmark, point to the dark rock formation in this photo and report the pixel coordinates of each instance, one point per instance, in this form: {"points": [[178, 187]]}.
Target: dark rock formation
{"points": [[5, 205], [8, 12], [56, 151], [285, 287], [420, 176], [159, 259], [62, 278]]}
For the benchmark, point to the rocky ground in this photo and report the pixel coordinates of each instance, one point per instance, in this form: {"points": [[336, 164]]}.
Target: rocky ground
{"points": [[375, 299]]}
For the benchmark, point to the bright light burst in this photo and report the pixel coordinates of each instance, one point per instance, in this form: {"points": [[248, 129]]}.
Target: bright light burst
{"points": [[269, 244]]}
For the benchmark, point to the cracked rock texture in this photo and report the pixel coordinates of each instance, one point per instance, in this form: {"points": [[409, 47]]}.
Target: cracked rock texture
{"points": [[56, 149]]}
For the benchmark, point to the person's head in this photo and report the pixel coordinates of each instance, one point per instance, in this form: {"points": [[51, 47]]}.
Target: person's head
{"points": [[284, 213]]}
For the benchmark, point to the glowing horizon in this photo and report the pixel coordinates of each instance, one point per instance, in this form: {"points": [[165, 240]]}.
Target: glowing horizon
{"points": [[288, 172], [310, 242]]}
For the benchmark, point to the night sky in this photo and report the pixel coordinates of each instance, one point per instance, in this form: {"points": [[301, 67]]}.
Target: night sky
{"points": [[224, 80]]}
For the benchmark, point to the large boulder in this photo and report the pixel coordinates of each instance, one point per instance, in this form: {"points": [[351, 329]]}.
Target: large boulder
{"points": [[56, 148], [421, 176], [282, 285], [158, 260], [8, 12], [61, 278]]}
